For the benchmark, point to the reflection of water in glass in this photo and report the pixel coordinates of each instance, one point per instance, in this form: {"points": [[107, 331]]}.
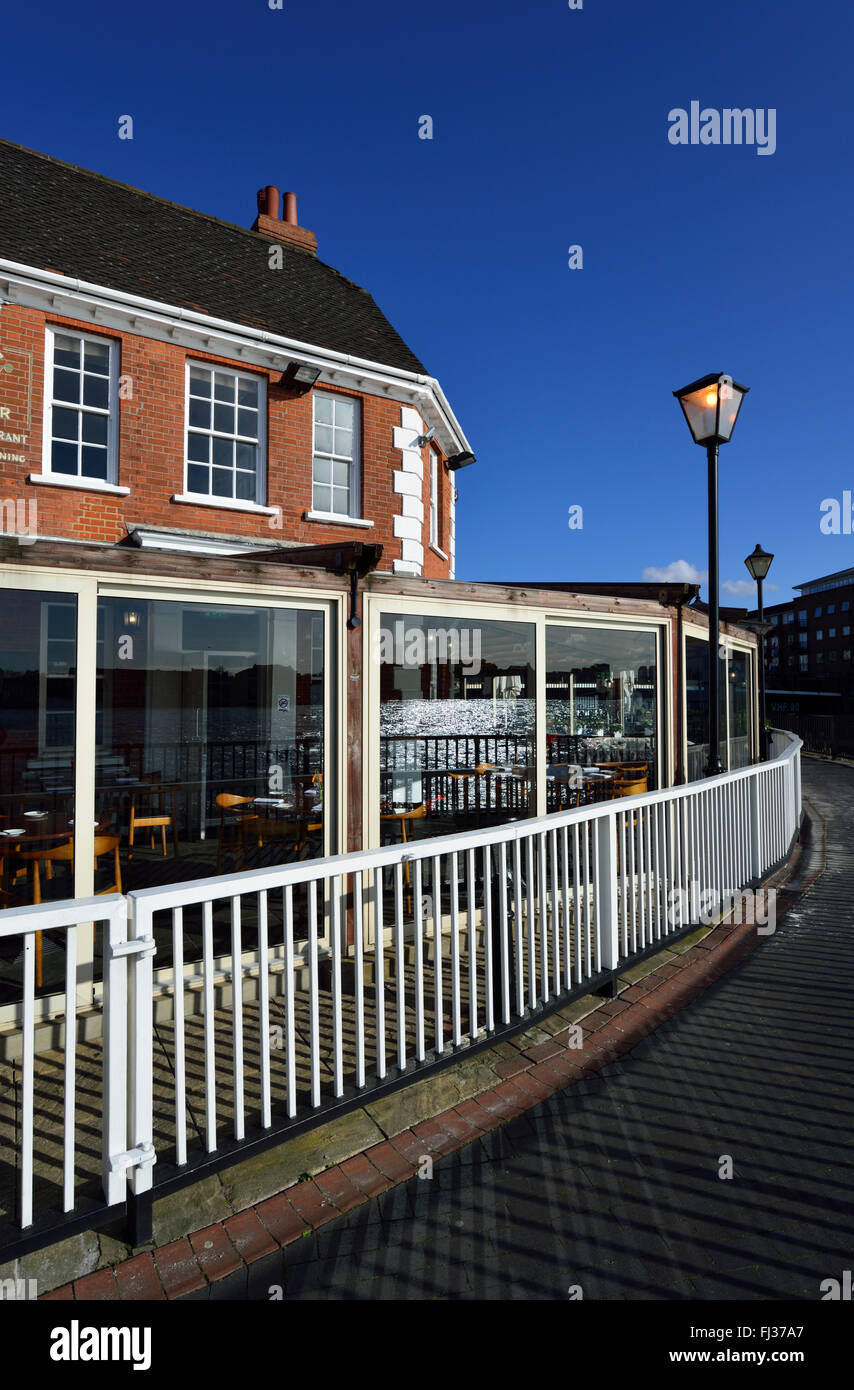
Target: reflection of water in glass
{"points": [[455, 734], [446, 718]]}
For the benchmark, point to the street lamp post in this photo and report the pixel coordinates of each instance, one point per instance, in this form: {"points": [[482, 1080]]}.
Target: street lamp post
{"points": [[711, 407], [758, 564]]}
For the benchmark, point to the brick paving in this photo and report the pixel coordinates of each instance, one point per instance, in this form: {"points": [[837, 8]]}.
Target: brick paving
{"points": [[599, 1167]]}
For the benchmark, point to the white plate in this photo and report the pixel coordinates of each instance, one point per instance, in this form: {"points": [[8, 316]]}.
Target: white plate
{"points": [[95, 823], [35, 815], [13, 832]]}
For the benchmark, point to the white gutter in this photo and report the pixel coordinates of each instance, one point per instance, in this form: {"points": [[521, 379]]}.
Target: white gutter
{"points": [[394, 376]]}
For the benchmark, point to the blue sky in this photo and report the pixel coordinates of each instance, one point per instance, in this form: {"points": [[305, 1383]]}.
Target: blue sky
{"points": [[550, 129]]}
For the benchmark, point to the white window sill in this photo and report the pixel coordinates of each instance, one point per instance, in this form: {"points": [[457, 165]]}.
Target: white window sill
{"points": [[83, 484], [225, 503], [336, 519], [436, 551]]}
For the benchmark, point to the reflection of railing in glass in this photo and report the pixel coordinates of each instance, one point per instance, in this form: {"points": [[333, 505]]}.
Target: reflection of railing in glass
{"points": [[698, 757], [452, 773]]}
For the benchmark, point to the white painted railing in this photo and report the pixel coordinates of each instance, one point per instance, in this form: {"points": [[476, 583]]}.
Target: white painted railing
{"points": [[347, 972], [37, 1117]]}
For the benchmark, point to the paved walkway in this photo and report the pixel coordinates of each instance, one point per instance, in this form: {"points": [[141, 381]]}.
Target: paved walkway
{"points": [[613, 1185]]}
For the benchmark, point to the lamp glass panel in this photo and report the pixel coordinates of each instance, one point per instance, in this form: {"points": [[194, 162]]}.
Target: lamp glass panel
{"points": [[701, 412], [731, 399], [708, 418], [758, 565]]}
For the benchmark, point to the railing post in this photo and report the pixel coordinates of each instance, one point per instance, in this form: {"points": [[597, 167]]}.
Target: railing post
{"points": [[606, 903], [114, 1093], [755, 829], [140, 1073]]}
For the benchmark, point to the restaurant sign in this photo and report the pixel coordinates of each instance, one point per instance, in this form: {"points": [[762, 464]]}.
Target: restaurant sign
{"points": [[14, 430]]}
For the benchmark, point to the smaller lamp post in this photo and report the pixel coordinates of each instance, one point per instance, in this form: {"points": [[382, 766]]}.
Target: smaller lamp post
{"points": [[758, 564], [711, 407]]}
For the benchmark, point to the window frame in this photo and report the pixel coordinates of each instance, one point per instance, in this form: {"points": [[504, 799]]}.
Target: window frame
{"points": [[210, 498], [354, 464], [79, 479], [434, 499]]}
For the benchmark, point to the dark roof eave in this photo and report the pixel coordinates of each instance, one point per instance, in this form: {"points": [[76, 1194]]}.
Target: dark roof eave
{"points": [[339, 557], [672, 595]]}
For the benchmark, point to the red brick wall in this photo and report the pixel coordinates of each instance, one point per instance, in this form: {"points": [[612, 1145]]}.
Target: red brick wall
{"points": [[151, 451]]}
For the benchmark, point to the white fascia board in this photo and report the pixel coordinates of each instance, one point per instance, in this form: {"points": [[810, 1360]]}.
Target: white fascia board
{"points": [[63, 294]]}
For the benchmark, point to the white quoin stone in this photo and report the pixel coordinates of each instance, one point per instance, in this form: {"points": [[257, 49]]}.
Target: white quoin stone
{"points": [[413, 464], [412, 550], [407, 483], [409, 527]]}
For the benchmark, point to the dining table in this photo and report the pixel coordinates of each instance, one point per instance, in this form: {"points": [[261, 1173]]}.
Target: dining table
{"points": [[276, 817], [21, 836], [32, 828]]}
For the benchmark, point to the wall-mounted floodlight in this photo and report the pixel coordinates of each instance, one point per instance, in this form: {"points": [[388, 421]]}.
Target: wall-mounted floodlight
{"points": [[299, 377]]}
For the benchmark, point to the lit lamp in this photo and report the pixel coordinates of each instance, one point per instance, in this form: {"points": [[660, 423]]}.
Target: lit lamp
{"points": [[758, 564], [711, 407]]}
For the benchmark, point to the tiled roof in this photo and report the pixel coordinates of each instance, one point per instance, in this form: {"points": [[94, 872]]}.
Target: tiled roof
{"points": [[59, 217]]}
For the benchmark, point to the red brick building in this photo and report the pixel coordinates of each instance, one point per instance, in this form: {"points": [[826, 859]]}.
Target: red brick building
{"points": [[174, 380], [227, 573]]}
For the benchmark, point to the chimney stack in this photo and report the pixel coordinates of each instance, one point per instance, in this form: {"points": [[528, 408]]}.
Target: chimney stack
{"points": [[285, 229], [268, 202]]}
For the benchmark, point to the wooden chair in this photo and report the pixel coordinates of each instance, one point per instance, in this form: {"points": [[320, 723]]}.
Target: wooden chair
{"points": [[267, 828], [627, 788], [633, 776], [405, 818], [228, 801], [150, 803], [301, 844], [64, 853]]}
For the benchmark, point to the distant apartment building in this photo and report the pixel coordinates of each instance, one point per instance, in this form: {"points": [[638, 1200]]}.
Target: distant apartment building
{"points": [[810, 642]]}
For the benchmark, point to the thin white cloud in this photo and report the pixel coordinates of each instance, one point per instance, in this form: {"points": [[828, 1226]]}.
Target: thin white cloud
{"points": [[743, 588], [677, 572]]}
